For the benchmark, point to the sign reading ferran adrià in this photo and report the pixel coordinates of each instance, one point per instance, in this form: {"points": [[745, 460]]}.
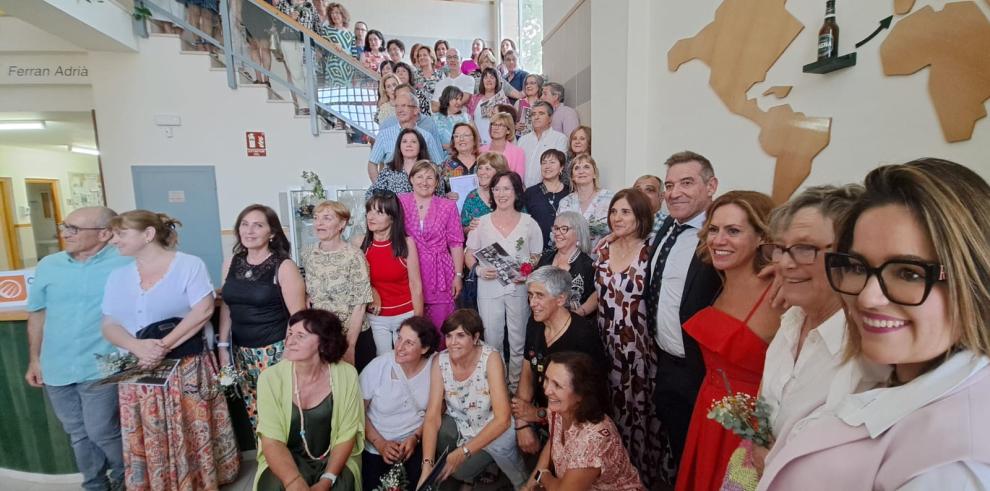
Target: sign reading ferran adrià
{"points": [[44, 69]]}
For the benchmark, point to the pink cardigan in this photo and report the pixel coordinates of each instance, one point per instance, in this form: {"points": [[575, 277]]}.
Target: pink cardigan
{"points": [[516, 157], [829, 453]]}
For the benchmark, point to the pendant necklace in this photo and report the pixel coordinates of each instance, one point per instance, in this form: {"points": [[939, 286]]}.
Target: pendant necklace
{"points": [[250, 272], [302, 418]]}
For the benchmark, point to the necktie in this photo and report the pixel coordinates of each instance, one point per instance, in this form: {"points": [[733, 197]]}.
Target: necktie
{"points": [[653, 298]]}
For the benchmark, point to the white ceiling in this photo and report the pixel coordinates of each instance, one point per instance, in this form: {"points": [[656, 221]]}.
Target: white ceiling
{"points": [[61, 129]]}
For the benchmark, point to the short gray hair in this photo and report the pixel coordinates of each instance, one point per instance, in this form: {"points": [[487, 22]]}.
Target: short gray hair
{"points": [[558, 90], [580, 225], [833, 202], [544, 104], [555, 280]]}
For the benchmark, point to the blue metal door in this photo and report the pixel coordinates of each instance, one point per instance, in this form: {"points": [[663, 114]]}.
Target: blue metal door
{"points": [[189, 194]]}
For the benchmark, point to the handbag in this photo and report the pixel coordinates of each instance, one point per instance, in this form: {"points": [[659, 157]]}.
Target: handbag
{"points": [[158, 330]]}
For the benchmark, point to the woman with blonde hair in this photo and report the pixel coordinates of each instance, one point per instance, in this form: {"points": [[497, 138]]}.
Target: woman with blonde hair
{"points": [[587, 198], [386, 97], [578, 143], [336, 273], [733, 334], [502, 133], [159, 307], [911, 263]]}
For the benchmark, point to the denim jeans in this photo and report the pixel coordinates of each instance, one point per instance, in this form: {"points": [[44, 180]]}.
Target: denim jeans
{"points": [[89, 413]]}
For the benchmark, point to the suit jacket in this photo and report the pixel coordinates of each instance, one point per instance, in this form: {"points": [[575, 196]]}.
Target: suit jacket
{"points": [[882, 451], [701, 286]]}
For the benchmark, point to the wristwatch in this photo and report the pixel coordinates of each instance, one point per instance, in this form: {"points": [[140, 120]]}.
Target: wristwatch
{"points": [[467, 451], [459, 275], [329, 476], [539, 475], [541, 413]]}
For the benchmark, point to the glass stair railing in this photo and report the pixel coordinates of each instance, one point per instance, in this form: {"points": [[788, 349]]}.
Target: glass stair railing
{"points": [[256, 43]]}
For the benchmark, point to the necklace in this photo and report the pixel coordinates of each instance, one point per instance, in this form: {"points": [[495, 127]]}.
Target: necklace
{"points": [[302, 417], [250, 271], [554, 336]]}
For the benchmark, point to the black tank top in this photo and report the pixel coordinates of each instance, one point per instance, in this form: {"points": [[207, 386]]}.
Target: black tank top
{"points": [[258, 313]]}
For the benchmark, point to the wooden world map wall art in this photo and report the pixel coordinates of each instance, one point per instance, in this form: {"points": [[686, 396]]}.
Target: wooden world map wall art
{"points": [[747, 37]]}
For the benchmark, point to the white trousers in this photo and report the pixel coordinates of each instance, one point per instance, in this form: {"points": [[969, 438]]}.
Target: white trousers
{"points": [[385, 330], [507, 315]]}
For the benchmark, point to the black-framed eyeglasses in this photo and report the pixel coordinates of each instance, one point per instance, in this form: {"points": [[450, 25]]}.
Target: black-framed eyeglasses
{"points": [[800, 253], [561, 228], [902, 281], [69, 229]]}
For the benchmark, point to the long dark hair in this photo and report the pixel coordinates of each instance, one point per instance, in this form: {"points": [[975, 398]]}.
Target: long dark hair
{"points": [[397, 159], [385, 201], [498, 81], [367, 42], [588, 383], [279, 244]]}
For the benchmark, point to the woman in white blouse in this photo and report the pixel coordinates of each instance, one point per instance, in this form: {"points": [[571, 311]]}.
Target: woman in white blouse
{"points": [[189, 412], [911, 266], [502, 300], [588, 198], [396, 388]]}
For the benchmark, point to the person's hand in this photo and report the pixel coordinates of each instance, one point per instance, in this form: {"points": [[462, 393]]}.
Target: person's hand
{"points": [[392, 451], [456, 286], [150, 352], [474, 224], [608, 239], [297, 485], [777, 299], [527, 440], [407, 447], [758, 456], [453, 196], [321, 485], [376, 303], [424, 473], [487, 272], [524, 410], [454, 461], [224, 357], [33, 374]]}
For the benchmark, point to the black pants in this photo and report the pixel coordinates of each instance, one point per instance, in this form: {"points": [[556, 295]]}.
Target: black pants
{"points": [[674, 397], [373, 468]]}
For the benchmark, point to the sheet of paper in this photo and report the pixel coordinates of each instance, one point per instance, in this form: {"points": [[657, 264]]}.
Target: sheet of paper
{"points": [[463, 185]]}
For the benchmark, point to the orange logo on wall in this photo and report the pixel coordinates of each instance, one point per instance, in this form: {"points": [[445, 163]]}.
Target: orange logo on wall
{"points": [[13, 288]]}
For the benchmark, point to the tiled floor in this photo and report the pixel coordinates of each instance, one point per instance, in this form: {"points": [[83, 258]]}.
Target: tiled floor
{"points": [[243, 482]]}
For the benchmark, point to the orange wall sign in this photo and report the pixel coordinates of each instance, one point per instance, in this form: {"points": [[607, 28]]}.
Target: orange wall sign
{"points": [[14, 287], [256, 144]]}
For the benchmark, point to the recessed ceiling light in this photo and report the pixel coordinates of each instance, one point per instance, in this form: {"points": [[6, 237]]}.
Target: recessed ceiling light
{"points": [[85, 150], [22, 125]]}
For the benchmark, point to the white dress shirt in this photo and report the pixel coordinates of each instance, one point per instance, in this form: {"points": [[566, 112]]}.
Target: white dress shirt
{"points": [[534, 149], [669, 335]]}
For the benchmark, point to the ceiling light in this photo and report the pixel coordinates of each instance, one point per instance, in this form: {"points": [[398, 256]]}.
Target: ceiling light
{"points": [[22, 125], [85, 150]]}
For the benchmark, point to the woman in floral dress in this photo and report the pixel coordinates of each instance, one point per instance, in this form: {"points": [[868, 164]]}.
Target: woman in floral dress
{"points": [[338, 71], [620, 278]]}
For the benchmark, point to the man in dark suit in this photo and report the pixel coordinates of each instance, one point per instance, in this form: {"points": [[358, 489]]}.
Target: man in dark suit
{"points": [[679, 285]]}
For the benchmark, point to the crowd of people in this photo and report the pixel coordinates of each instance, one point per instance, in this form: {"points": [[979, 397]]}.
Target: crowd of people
{"points": [[542, 329]]}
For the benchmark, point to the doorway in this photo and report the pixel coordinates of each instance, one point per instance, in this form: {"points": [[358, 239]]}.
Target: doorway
{"points": [[10, 257], [46, 213]]}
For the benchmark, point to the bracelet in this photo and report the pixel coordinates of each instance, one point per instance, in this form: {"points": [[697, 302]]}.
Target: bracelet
{"points": [[223, 344], [428, 461], [298, 476], [523, 427]]}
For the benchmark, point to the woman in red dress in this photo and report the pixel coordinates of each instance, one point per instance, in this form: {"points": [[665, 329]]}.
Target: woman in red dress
{"points": [[733, 333]]}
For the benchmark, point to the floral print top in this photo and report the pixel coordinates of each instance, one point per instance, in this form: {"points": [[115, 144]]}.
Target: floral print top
{"points": [[474, 207], [445, 125], [337, 281], [469, 402], [596, 213], [594, 446], [423, 88]]}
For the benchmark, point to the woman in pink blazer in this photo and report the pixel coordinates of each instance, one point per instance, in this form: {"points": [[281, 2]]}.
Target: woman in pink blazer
{"points": [[912, 267]]}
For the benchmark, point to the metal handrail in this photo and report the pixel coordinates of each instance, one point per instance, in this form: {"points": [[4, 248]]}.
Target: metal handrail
{"points": [[310, 39]]}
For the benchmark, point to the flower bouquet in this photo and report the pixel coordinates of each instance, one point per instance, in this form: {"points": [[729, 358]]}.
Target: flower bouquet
{"points": [[395, 479], [230, 380], [114, 363], [746, 416]]}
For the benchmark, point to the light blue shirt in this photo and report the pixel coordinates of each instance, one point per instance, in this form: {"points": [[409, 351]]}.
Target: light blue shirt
{"points": [[384, 147], [71, 293], [423, 121]]}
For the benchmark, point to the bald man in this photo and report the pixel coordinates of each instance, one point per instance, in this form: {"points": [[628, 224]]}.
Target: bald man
{"points": [[407, 111], [64, 335]]}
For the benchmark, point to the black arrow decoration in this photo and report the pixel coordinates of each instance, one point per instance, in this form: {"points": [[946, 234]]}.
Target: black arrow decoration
{"points": [[884, 24]]}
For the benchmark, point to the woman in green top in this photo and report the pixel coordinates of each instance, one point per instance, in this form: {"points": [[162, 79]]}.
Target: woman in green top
{"points": [[310, 411]]}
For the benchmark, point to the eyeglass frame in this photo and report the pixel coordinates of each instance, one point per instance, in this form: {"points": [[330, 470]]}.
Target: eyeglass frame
{"points": [[787, 250], [69, 230], [934, 273], [564, 229]]}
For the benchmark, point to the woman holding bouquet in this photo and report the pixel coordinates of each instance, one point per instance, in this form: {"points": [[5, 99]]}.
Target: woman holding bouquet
{"points": [[179, 432], [587, 198], [733, 333], [502, 300]]}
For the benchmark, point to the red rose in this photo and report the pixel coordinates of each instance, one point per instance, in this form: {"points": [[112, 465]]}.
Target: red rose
{"points": [[526, 269]]}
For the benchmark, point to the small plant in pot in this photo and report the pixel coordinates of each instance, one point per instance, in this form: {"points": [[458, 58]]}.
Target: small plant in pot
{"points": [[308, 204]]}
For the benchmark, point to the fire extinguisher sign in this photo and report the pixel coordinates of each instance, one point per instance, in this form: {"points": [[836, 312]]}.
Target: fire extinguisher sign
{"points": [[256, 144]]}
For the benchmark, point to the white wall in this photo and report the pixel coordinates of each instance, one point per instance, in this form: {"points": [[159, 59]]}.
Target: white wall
{"points": [[130, 89], [568, 50], [28, 163], [876, 119]]}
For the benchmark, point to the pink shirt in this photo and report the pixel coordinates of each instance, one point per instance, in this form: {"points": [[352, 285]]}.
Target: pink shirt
{"points": [[514, 155], [597, 446], [438, 233]]}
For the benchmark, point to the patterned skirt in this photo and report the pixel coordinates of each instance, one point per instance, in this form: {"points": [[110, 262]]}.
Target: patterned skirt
{"points": [[250, 363], [178, 436]]}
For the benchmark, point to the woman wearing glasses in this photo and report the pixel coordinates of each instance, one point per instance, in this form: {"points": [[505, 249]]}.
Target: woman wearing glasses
{"points": [[573, 242], [911, 268], [733, 333]]}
